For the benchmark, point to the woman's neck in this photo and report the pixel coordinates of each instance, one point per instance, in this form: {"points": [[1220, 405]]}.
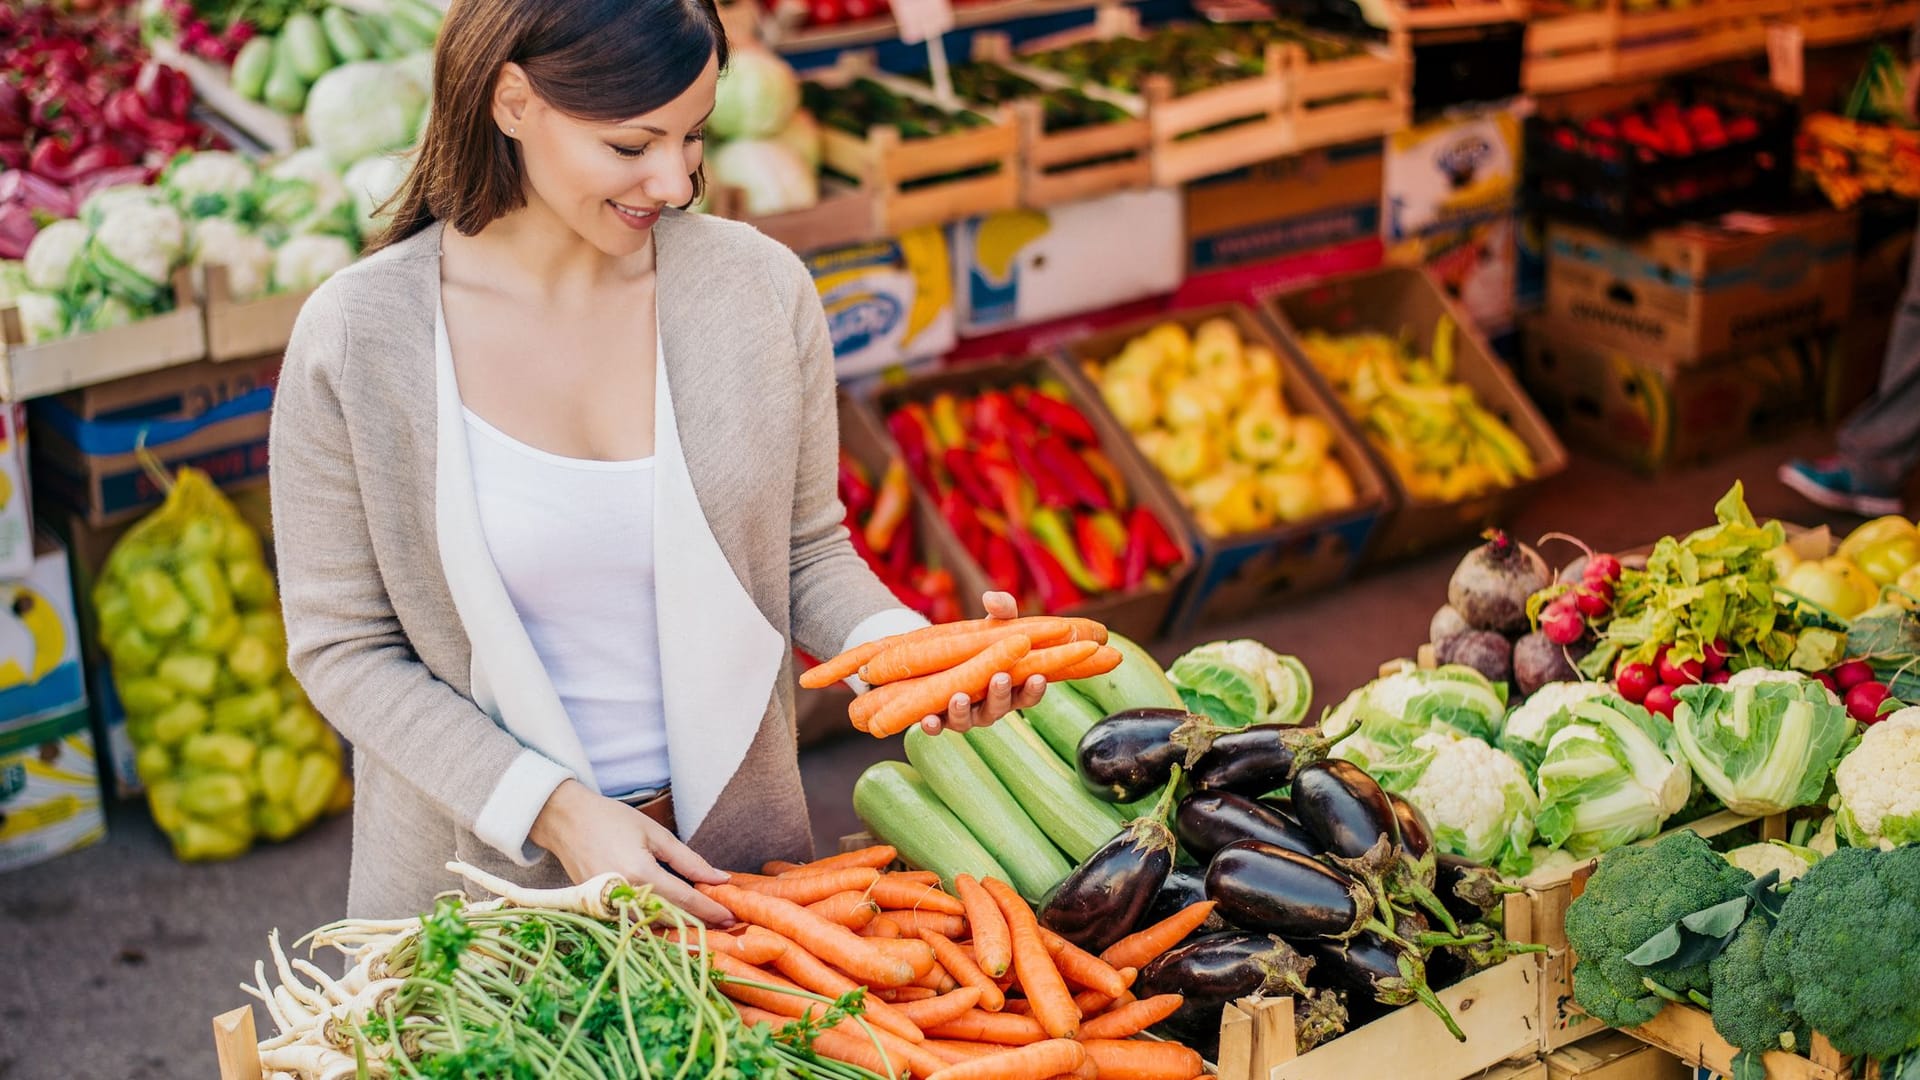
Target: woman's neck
{"points": [[532, 248]]}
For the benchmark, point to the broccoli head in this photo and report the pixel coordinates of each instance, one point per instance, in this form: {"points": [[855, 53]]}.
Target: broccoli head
{"points": [[1750, 1009], [1845, 944], [1634, 894]]}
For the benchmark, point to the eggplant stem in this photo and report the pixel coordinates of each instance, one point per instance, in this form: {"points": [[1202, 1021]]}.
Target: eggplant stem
{"points": [[1414, 974], [1426, 899], [1196, 736]]}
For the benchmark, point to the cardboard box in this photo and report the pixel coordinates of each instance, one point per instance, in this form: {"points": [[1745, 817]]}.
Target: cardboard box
{"points": [[1027, 266], [40, 669], [1476, 262], [1285, 206], [1239, 574], [1452, 171], [213, 417], [1698, 290], [1651, 412], [49, 790], [1614, 1055], [16, 495], [887, 302], [1394, 301]]}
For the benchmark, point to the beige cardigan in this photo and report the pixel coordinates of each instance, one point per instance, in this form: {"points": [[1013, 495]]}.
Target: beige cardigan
{"points": [[401, 632]]}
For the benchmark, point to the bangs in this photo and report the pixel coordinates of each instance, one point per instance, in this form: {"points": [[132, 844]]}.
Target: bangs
{"points": [[611, 60]]}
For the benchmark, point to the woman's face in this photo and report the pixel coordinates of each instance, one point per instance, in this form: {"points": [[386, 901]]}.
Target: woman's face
{"points": [[609, 180]]}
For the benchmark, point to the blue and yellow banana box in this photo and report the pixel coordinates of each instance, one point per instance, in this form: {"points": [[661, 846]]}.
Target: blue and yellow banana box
{"points": [[888, 303]]}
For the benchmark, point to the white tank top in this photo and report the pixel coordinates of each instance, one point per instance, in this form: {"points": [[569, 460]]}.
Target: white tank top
{"points": [[573, 542]]}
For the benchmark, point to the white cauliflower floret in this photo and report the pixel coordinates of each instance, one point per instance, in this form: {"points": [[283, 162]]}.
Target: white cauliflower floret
{"points": [[210, 182], [1478, 799], [1754, 676], [1879, 782], [1531, 721], [51, 255], [106, 200], [1759, 859], [220, 242], [145, 238], [1550, 866], [43, 317], [305, 261]]}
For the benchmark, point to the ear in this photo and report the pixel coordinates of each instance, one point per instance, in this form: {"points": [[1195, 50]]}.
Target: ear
{"points": [[512, 96]]}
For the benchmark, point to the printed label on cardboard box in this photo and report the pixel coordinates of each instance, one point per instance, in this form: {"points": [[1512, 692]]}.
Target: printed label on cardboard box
{"points": [[1283, 207], [16, 496], [1028, 266], [887, 302], [40, 669], [1477, 264], [49, 790], [1449, 171]]}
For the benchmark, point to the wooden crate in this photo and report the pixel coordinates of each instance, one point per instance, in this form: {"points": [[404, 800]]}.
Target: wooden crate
{"points": [[160, 341], [911, 181], [1572, 50], [1840, 22], [277, 132], [843, 217], [1687, 1033], [1071, 166], [243, 329], [1614, 1055], [1539, 916], [1402, 18]]}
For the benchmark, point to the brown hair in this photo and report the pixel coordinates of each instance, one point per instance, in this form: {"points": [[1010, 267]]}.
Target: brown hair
{"points": [[592, 59]]}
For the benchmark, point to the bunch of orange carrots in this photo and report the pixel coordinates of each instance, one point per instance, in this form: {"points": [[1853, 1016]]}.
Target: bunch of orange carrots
{"points": [[915, 675], [966, 987]]}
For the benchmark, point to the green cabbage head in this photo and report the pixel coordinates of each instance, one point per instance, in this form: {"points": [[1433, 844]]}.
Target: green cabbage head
{"points": [[1764, 748]]}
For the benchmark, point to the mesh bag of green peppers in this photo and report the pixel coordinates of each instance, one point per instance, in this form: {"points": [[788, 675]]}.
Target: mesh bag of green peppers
{"points": [[226, 743]]}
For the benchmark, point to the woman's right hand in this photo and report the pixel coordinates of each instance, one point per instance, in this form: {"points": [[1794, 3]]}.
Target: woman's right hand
{"points": [[591, 835]]}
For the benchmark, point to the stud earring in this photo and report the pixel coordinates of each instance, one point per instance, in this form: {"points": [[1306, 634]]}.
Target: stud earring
{"points": [[511, 130]]}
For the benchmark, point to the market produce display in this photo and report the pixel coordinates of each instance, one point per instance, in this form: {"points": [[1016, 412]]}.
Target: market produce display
{"points": [[1020, 476], [863, 103], [228, 747], [1196, 56], [1209, 410], [1434, 433], [281, 55], [760, 141], [1061, 109], [880, 522], [1870, 146]]}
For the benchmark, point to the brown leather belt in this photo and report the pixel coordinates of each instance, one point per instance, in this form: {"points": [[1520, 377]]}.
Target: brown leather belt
{"points": [[656, 805]]}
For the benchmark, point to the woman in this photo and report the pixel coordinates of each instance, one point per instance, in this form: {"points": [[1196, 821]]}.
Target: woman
{"points": [[553, 480]]}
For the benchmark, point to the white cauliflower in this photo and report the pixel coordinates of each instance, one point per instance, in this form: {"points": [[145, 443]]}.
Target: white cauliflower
{"points": [[1550, 866], [1478, 799], [1879, 782], [1533, 723], [136, 246], [304, 193], [1758, 859], [305, 261], [220, 242], [51, 255], [1413, 700], [106, 200], [371, 182], [210, 183], [43, 316], [1754, 676]]}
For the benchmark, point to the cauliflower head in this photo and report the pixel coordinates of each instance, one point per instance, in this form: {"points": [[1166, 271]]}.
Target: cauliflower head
{"points": [[52, 254], [43, 316], [135, 247], [1478, 799], [221, 242], [210, 183], [1755, 676], [1529, 727], [1879, 784], [1758, 859], [305, 261]]}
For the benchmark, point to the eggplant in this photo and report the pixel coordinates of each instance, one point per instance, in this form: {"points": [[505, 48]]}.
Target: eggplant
{"points": [[1413, 877], [1348, 813], [1210, 820], [1371, 967], [1211, 971], [1267, 889], [1469, 890], [1416, 836], [1255, 760], [1103, 899], [1182, 890], [1282, 803], [1130, 755]]}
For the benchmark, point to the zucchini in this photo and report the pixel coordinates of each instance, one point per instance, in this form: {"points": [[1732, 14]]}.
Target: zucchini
{"points": [[285, 91], [305, 44], [956, 773], [343, 34], [900, 809], [251, 66], [1063, 716], [1138, 683], [1045, 787]]}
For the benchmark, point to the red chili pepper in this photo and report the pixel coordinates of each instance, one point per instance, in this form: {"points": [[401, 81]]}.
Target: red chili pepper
{"points": [[1014, 494], [1002, 565], [1097, 553], [1161, 550], [890, 507], [1056, 591], [1067, 469], [967, 477], [901, 553], [1133, 568], [909, 430], [1050, 411], [1104, 468], [856, 490], [958, 513]]}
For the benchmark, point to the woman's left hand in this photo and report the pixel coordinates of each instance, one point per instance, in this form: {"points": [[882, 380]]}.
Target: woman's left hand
{"points": [[1002, 696]]}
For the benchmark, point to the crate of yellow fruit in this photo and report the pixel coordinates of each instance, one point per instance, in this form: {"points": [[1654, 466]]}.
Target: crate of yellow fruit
{"points": [[1275, 488], [1448, 423]]}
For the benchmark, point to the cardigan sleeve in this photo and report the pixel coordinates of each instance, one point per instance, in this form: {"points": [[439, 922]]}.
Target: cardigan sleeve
{"points": [[837, 601], [345, 643]]}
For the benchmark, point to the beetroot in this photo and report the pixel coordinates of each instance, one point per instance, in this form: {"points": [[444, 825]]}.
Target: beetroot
{"points": [[1538, 661], [1484, 651], [1446, 623], [1491, 585]]}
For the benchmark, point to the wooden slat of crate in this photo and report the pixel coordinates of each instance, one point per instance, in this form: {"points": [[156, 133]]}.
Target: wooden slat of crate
{"points": [[1568, 52], [1839, 22], [842, 218], [1253, 108], [1452, 16], [150, 344], [1069, 166], [243, 329], [1687, 1033], [1383, 77], [236, 1046]]}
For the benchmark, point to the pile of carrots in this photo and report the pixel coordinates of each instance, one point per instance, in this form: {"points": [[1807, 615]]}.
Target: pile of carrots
{"points": [[966, 987], [915, 675]]}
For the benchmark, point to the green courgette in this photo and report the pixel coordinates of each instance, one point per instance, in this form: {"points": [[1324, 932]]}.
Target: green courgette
{"points": [[1062, 718], [251, 66], [1138, 683], [900, 809], [956, 773], [1045, 787], [305, 43], [344, 36]]}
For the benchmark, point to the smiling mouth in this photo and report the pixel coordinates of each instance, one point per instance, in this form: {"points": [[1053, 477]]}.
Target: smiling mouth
{"points": [[633, 215]]}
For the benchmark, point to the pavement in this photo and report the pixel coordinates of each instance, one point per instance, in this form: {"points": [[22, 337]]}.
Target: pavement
{"points": [[114, 959]]}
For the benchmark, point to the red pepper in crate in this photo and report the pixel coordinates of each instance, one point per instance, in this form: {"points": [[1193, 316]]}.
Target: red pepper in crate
{"points": [[1101, 557], [1063, 418], [1162, 552], [1139, 552], [908, 426], [1002, 563], [1054, 589], [890, 507], [856, 489], [947, 428], [968, 477], [1070, 472], [900, 555], [1109, 475]]}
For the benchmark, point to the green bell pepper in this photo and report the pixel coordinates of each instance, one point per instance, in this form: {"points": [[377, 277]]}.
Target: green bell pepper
{"points": [[278, 771], [219, 796], [253, 662], [158, 606], [318, 775], [219, 751], [181, 719], [192, 674], [163, 801], [114, 611], [205, 585], [133, 651], [201, 538], [201, 841], [247, 714], [252, 586], [213, 632], [298, 727], [145, 696], [153, 763], [275, 822]]}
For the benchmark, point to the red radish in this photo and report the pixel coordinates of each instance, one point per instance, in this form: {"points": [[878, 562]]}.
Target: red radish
{"points": [[1660, 701], [1562, 623], [1602, 569], [1718, 678], [1594, 601], [1678, 674], [1717, 654], [1852, 674], [1826, 679], [1863, 701], [1634, 680]]}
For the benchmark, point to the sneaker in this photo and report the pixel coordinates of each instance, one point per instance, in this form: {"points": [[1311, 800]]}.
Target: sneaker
{"points": [[1829, 483]]}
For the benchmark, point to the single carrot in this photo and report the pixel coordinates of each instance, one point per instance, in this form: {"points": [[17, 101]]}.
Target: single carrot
{"points": [[806, 889], [1018, 1006], [956, 1050], [1052, 660], [1081, 967], [755, 949], [992, 949], [1138, 949], [855, 1050], [916, 953], [1041, 1061], [939, 978], [776, 867], [1105, 659], [932, 1012], [788, 1000], [851, 909], [881, 926], [912, 922], [1087, 630], [869, 705], [918, 877], [964, 970], [878, 856], [785, 1004], [827, 940], [1141, 1059], [1093, 1001], [930, 694], [844, 666], [900, 995], [1039, 978], [1129, 1020], [896, 895], [913, 659], [1003, 1028], [809, 972]]}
